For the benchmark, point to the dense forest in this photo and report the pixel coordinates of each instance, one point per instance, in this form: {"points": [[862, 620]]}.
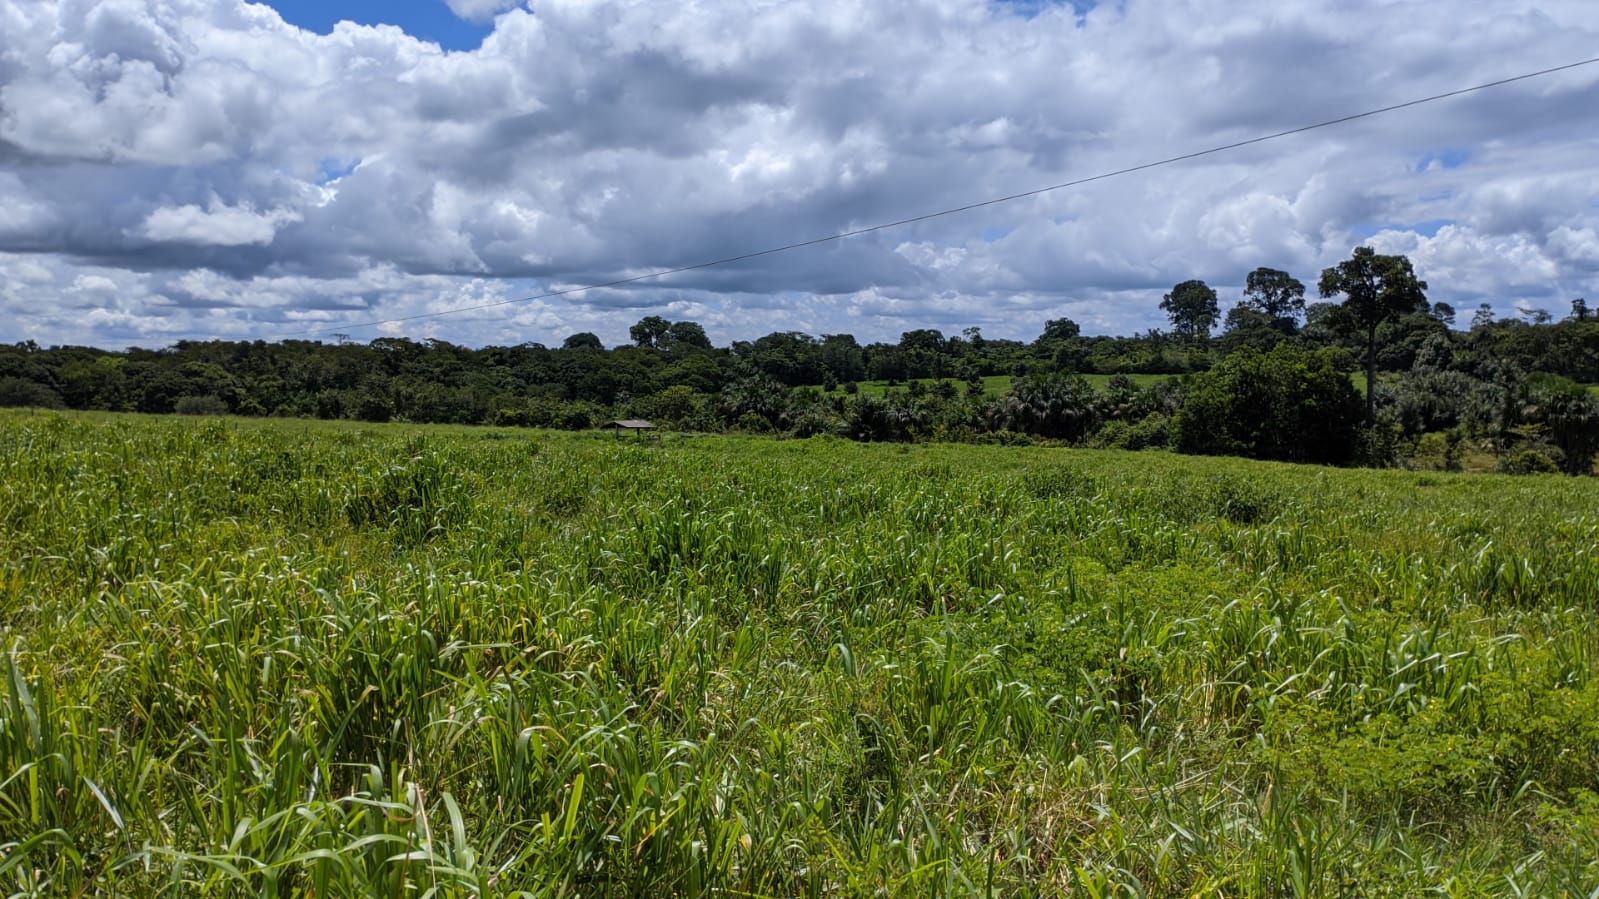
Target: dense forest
{"points": [[1277, 378]]}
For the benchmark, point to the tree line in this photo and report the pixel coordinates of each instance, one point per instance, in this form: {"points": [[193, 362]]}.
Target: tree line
{"points": [[1278, 381]]}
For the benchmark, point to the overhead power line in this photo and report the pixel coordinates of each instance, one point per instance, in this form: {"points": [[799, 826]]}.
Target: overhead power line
{"points": [[954, 210]]}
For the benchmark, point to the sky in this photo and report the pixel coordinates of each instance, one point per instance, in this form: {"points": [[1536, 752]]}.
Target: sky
{"points": [[199, 169]]}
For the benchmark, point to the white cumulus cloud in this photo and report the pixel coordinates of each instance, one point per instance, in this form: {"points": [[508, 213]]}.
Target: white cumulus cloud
{"points": [[222, 226], [233, 175], [480, 10]]}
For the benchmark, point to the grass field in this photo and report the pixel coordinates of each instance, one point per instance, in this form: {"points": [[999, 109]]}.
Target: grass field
{"points": [[993, 385], [279, 659]]}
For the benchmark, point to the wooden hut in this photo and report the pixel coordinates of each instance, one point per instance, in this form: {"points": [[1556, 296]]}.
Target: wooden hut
{"points": [[637, 425]]}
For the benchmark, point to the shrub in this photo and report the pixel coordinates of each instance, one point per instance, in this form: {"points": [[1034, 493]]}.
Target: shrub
{"points": [[1527, 461], [1440, 450], [674, 406], [200, 405], [754, 423], [576, 417], [814, 421], [1381, 445], [1150, 432]]}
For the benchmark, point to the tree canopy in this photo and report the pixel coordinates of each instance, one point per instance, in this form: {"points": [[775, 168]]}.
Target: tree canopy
{"points": [[1192, 307], [1270, 387], [1376, 289], [1276, 294], [1286, 404]]}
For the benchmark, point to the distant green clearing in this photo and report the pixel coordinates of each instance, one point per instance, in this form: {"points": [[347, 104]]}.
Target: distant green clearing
{"points": [[274, 658], [1100, 382], [993, 385]]}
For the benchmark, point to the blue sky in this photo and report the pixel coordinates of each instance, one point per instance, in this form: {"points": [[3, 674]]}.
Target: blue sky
{"points": [[427, 19], [434, 21]]}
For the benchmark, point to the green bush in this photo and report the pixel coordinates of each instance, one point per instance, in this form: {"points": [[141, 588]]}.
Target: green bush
{"points": [[200, 405], [1438, 450], [1153, 431], [1527, 460]]}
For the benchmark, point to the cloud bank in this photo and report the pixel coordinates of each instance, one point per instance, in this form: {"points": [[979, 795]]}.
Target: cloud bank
{"points": [[177, 169]]}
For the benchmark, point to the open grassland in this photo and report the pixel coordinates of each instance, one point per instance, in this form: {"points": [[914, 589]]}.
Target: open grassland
{"points": [[268, 659], [1102, 382], [993, 385]]}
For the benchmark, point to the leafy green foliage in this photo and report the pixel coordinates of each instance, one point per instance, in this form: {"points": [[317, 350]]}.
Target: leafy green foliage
{"points": [[1058, 406], [1287, 405], [200, 405], [1276, 294], [1377, 289], [1423, 381], [1571, 415], [1192, 308]]}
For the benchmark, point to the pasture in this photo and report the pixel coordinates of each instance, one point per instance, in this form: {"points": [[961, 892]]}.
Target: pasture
{"points": [[273, 658]]}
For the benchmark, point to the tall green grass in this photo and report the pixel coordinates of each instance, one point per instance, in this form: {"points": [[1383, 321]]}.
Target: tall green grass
{"points": [[271, 659]]}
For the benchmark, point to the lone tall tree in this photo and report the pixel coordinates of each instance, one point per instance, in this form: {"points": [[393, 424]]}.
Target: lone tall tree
{"points": [[649, 331], [1277, 294], [1192, 308], [1376, 289]]}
